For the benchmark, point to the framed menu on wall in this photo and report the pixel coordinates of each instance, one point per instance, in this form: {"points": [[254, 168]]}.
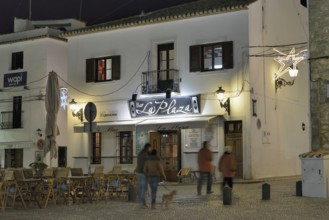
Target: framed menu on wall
{"points": [[194, 138]]}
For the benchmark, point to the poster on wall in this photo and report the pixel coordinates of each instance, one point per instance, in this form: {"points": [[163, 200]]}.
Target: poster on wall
{"points": [[194, 138], [142, 139]]}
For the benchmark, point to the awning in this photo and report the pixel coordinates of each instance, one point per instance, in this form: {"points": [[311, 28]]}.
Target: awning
{"points": [[156, 123], [16, 145], [177, 123], [113, 126]]}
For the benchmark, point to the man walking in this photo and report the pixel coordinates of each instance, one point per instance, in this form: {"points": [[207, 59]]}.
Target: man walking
{"points": [[141, 179], [205, 166]]}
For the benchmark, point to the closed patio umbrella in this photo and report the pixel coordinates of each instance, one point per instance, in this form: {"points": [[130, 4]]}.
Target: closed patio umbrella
{"points": [[52, 103]]}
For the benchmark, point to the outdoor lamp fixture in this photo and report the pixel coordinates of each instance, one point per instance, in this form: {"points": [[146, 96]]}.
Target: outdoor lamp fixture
{"points": [[39, 132], [143, 86], [288, 63], [134, 97], [168, 93], [75, 112], [224, 102]]}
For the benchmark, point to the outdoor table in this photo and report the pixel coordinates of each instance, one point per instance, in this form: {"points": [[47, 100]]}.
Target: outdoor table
{"points": [[79, 187], [13, 190], [32, 190]]}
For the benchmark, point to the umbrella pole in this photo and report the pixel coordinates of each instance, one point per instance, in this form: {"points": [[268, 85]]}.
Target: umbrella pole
{"points": [[89, 152]]}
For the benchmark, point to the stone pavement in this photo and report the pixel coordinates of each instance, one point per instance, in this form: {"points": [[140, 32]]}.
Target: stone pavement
{"points": [[247, 203]]}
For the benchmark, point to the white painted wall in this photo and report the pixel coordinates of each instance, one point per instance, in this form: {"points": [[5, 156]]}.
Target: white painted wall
{"points": [[40, 57], [281, 114], [133, 44]]}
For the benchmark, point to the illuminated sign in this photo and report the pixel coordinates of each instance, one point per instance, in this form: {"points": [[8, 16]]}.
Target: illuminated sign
{"points": [[14, 79], [164, 107]]}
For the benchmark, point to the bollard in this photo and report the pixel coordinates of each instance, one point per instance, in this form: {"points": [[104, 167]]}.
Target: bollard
{"points": [[266, 191], [227, 195], [299, 189], [131, 193]]}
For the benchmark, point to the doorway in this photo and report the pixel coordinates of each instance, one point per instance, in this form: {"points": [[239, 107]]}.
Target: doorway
{"points": [[233, 137], [168, 147], [13, 158], [62, 156]]}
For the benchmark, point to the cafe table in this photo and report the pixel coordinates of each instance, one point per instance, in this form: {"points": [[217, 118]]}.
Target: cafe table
{"points": [[79, 187], [32, 191]]}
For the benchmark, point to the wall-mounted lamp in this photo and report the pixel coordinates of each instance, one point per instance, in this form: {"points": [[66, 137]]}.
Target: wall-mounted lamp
{"points": [[288, 63], [39, 132], [134, 97], [75, 112], [168, 93], [224, 102]]}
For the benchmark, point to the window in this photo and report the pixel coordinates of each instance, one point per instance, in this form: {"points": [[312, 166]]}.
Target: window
{"points": [[166, 64], [126, 147], [103, 69], [17, 60], [211, 57], [97, 150]]}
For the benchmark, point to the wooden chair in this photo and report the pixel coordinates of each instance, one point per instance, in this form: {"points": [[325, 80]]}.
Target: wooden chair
{"points": [[99, 171], [62, 172], [112, 186], [116, 170], [18, 174], [184, 174], [213, 173], [76, 172], [3, 191], [48, 172], [28, 173], [48, 191]]}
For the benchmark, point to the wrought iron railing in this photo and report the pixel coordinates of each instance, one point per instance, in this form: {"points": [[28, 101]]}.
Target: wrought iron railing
{"points": [[158, 81], [6, 120]]}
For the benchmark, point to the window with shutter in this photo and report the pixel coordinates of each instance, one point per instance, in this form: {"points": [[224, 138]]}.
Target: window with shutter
{"points": [[211, 57], [103, 69], [17, 60]]}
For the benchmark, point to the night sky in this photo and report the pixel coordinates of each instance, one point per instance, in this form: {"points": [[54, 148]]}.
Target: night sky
{"points": [[92, 11]]}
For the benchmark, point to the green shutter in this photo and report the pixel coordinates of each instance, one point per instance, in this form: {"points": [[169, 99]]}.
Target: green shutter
{"points": [[195, 58]]}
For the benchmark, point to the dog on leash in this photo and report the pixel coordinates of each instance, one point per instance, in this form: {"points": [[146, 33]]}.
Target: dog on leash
{"points": [[166, 198]]}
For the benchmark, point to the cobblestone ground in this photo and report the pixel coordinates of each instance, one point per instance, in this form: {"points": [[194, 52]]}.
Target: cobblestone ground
{"points": [[247, 203]]}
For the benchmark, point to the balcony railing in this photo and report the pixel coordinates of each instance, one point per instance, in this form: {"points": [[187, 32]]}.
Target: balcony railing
{"points": [[158, 81], [6, 120]]}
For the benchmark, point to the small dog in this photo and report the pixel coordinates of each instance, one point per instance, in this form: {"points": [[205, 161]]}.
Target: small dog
{"points": [[166, 198]]}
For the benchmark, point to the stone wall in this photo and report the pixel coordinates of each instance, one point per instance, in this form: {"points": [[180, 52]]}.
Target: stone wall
{"points": [[319, 71]]}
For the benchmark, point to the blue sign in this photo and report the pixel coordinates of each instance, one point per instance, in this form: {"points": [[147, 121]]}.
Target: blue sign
{"points": [[14, 79]]}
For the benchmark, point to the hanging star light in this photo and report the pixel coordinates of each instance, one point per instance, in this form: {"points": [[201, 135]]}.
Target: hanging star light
{"points": [[288, 61], [63, 92]]}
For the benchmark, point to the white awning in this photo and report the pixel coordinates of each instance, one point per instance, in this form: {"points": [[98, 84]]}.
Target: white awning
{"points": [[16, 145], [156, 123], [176, 123], [113, 126]]}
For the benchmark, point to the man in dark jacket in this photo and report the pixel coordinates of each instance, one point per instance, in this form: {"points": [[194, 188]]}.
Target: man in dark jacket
{"points": [[153, 170], [141, 180], [205, 166]]}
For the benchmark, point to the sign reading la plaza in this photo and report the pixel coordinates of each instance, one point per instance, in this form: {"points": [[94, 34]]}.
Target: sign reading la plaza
{"points": [[164, 106]]}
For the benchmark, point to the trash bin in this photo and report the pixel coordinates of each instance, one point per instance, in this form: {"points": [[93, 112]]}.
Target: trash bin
{"points": [[132, 193], [266, 191], [299, 190], [227, 195]]}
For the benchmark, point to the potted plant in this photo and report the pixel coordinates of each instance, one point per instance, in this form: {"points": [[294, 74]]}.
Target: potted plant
{"points": [[38, 167]]}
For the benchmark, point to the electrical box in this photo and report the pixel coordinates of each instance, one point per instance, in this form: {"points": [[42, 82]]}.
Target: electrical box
{"points": [[315, 174]]}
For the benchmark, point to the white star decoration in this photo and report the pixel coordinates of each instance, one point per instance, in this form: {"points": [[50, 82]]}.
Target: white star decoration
{"points": [[288, 60], [63, 98]]}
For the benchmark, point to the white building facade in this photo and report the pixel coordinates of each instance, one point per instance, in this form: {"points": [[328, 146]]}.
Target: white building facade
{"points": [[192, 50]]}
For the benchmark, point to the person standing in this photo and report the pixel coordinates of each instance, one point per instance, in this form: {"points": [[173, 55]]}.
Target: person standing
{"points": [[141, 179], [153, 170], [205, 158], [227, 166]]}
